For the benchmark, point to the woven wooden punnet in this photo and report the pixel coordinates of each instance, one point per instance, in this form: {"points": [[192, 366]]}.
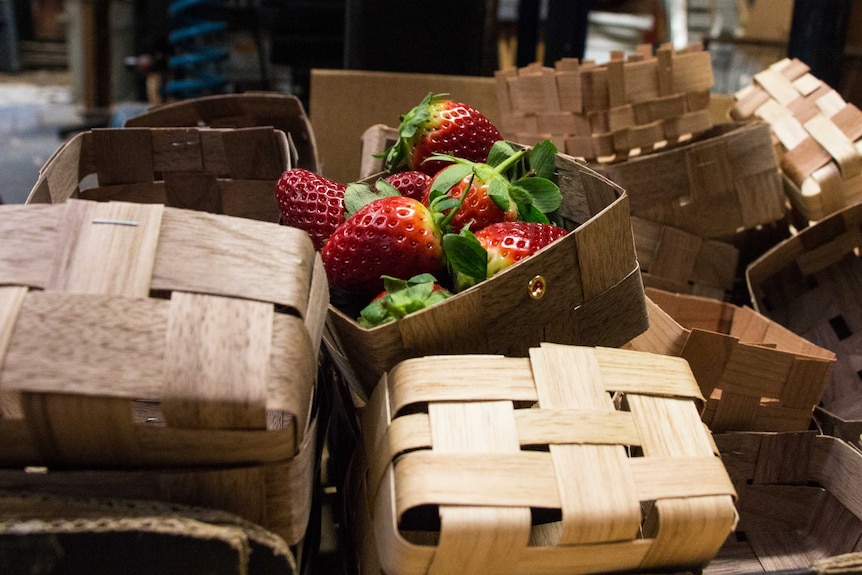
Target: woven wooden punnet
{"points": [[799, 505], [283, 112], [756, 374], [583, 289], [573, 460], [816, 135], [809, 283], [609, 112], [724, 182], [51, 534], [172, 343], [675, 260], [224, 171]]}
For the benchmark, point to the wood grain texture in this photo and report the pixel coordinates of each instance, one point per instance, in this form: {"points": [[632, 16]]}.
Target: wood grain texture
{"points": [[448, 471]]}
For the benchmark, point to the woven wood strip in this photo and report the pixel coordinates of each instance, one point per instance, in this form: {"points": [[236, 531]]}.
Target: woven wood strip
{"points": [[757, 375], [482, 482], [221, 170], [630, 105]]}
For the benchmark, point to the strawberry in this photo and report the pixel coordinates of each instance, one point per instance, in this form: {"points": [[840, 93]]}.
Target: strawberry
{"points": [[411, 183], [392, 235], [479, 256], [438, 125], [400, 298], [487, 195], [311, 203]]}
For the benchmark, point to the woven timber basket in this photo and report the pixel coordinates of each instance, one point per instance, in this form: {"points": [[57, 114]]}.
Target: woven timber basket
{"points": [[809, 283], [609, 112], [755, 374], [573, 460], [226, 171], [42, 533], [675, 260], [799, 505], [723, 182], [583, 289], [167, 342], [283, 112], [816, 135]]}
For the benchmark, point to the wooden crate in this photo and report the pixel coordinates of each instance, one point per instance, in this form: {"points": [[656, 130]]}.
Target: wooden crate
{"points": [[799, 506], [574, 460], [723, 182], [675, 260], [583, 289], [609, 112], [809, 283], [755, 374], [816, 135], [42, 533], [226, 171], [283, 112]]}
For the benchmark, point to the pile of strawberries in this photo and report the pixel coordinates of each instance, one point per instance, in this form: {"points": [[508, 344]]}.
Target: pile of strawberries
{"points": [[458, 205]]}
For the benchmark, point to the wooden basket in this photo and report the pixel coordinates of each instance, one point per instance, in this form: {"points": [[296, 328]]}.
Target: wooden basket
{"points": [[756, 374], [224, 171], [574, 460], [612, 111], [725, 181], [52, 534], [799, 505], [141, 335], [583, 289], [283, 112], [816, 135], [809, 284], [675, 260]]}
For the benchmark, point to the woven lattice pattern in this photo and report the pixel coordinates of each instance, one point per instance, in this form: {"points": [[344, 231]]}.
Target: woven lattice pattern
{"points": [[606, 112], [675, 260], [283, 112], [575, 459], [810, 283], [816, 135], [222, 171], [756, 374]]}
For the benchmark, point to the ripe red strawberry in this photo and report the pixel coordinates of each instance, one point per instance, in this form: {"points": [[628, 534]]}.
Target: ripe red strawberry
{"points": [[395, 236], [311, 203], [438, 125], [509, 243], [479, 256], [411, 183], [400, 298]]}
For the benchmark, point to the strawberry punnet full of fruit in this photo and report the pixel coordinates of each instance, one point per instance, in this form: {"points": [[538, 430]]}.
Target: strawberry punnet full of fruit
{"points": [[456, 205]]}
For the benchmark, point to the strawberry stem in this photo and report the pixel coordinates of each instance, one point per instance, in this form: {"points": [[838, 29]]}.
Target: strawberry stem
{"points": [[503, 166]]}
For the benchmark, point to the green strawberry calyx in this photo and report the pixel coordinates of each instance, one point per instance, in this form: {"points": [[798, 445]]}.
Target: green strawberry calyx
{"points": [[395, 156], [528, 184], [402, 297], [467, 259]]}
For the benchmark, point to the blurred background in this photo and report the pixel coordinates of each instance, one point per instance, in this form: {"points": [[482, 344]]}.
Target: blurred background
{"points": [[70, 65]]}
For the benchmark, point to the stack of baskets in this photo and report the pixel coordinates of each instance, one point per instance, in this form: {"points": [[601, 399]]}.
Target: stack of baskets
{"points": [[160, 344]]}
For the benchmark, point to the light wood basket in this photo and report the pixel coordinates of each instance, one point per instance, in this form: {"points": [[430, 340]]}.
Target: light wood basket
{"points": [[675, 260], [809, 283], [799, 504], [49, 533], [283, 112], [574, 460], [609, 112], [724, 182], [150, 338], [755, 374], [228, 171], [816, 135], [583, 289]]}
